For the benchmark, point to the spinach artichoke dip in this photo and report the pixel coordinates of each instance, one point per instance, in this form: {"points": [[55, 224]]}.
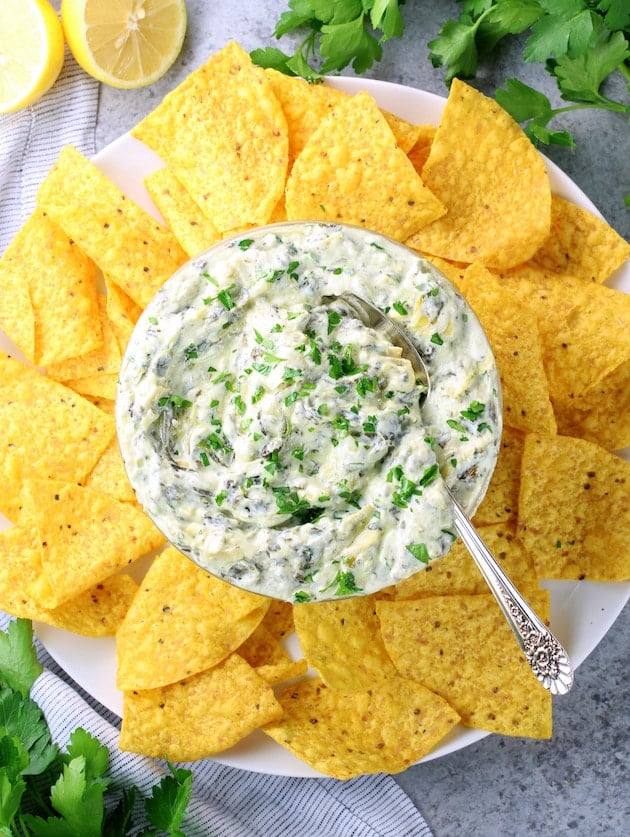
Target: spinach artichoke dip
{"points": [[284, 445]]}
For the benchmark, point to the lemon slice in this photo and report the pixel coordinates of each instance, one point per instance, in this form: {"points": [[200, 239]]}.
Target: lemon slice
{"points": [[31, 52], [126, 43]]}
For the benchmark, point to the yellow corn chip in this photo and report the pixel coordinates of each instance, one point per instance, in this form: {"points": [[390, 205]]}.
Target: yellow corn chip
{"points": [[500, 503], [183, 621], [580, 244], [279, 618], [194, 230], [382, 730], [462, 648], [122, 313], [419, 152], [103, 359], [574, 509], [517, 347], [602, 415], [457, 573], [198, 716], [136, 252], [341, 639], [17, 320], [99, 385], [224, 135], [585, 329], [98, 611], [276, 673], [47, 431], [492, 181], [109, 475], [351, 170], [86, 534], [61, 281]]}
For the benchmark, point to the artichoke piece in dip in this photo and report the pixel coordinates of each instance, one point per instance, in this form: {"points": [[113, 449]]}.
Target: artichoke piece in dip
{"points": [[285, 446]]}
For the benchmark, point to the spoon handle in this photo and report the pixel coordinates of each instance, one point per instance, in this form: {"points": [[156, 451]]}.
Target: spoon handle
{"points": [[547, 658]]}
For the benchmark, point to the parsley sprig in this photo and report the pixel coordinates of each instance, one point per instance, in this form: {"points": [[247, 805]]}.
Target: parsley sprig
{"points": [[44, 791], [581, 43]]}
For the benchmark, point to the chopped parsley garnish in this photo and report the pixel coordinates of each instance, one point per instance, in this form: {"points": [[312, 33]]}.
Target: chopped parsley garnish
{"points": [[245, 243], [344, 365], [262, 368], [346, 583], [473, 411], [175, 401], [437, 339], [400, 307], [334, 318], [301, 596], [365, 385], [289, 502], [419, 551], [225, 299], [191, 352]]}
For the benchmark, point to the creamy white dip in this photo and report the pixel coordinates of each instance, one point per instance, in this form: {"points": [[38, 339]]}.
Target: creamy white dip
{"points": [[280, 442]]}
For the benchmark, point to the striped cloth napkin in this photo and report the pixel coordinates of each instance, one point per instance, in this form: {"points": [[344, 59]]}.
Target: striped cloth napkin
{"points": [[30, 141], [227, 801]]}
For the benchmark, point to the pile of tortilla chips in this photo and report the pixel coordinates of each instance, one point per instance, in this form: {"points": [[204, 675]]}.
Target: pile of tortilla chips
{"points": [[202, 664]]}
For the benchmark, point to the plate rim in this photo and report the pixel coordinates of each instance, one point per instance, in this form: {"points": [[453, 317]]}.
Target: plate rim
{"points": [[460, 737]]}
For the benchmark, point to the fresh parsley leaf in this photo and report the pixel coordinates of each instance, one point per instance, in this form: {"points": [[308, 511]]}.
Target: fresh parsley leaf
{"points": [[580, 78], [566, 29], [167, 804], [19, 667], [419, 552]]}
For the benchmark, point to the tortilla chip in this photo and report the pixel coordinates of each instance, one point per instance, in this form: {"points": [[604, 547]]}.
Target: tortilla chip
{"points": [[97, 612], [580, 244], [279, 618], [136, 252], [99, 385], [86, 534], [103, 359], [500, 503], [281, 672], [341, 639], [382, 730], [419, 152], [517, 348], [17, 320], [574, 509], [61, 282], [47, 431], [456, 573], [492, 181], [602, 415], [122, 313], [183, 621], [109, 475], [352, 171], [194, 230], [585, 329], [224, 135], [306, 105], [462, 648], [198, 716]]}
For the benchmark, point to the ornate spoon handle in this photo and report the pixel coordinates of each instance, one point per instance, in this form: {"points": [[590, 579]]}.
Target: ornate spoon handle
{"points": [[547, 658]]}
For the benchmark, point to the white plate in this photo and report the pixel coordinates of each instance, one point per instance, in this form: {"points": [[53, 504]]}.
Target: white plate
{"points": [[581, 612]]}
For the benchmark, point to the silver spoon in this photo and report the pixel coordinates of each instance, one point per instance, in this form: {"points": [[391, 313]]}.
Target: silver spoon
{"points": [[546, 656]]}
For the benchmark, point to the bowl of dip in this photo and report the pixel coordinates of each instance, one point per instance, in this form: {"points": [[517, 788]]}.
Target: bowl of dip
{"points": [[283, 445]]}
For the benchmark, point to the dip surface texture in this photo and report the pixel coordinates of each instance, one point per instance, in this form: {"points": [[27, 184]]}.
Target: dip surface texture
{"points": [[281, 443]]}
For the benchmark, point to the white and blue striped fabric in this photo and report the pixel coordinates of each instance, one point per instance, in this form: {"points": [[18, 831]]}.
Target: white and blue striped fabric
{"points": [[228, 802]]}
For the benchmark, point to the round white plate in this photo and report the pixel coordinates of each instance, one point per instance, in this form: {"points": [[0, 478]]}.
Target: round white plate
{"points": [[581, 612]]}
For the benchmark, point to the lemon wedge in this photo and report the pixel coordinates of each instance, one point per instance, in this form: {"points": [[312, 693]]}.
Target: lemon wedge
{"points": [[31, 52], [126, 43]]}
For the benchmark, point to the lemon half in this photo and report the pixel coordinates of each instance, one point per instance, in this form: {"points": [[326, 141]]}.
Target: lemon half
{"points": [[124, 43], [31, 52]]}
